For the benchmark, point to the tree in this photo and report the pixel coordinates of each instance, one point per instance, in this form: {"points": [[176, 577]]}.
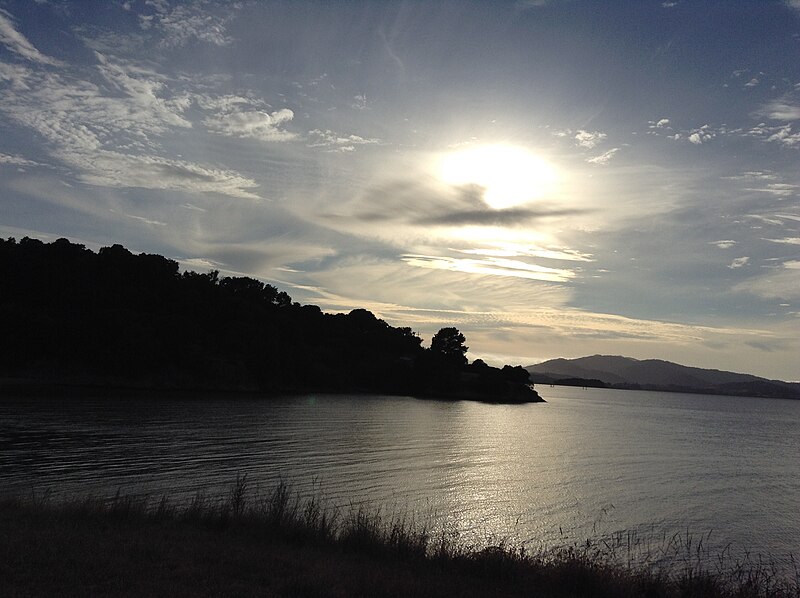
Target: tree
{"points": [[448, 344]]}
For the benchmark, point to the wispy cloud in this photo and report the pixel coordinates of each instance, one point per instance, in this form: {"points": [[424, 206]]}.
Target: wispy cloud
{"points": [[146, 220], [589, 139], [528, 4], [19, 44], [777, 283], [603, 158], [417, 204], [338, 143], [239, 117], [108, 131], [516, 250], [491, 266], [795, 4], [723, 244], [739, 262], [785, 136], [185, 22], [113, 169], [783, 109], [359, 102], [779, 189], [786, 240], [762, 175], [16, 160]]}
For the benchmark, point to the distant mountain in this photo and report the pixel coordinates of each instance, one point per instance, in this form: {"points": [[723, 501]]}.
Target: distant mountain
{"points": [[656, 374]]}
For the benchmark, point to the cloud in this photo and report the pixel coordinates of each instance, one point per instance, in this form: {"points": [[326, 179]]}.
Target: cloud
{"points": [[334, 142], [19, 44], [752, 82], [84, 115], [779, 283], [780, 110], [786, 240], [400, 291], [698, 135], [114, 169], [419, 205], [771, 219], [786, 108], [739, 262], [359, 102], [603, 158], [108, 130], [16, 160], [701, 135], [785, 136], [15, 75], [146, 220], [669, 4], [723, 244], [186, 22], [491, 217], [779, 189], [528, 4], [254, 124], [491, 266], [781, 134], [662, 123], [768, 347], [505, 249], [589, 139], [756, 174]]}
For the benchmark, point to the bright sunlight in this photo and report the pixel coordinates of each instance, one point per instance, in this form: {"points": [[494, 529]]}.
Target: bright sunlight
{"points": [[510, 175]]}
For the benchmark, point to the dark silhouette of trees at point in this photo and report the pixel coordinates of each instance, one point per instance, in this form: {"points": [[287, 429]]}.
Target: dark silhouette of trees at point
{"points": [[448, 344], [70, 315]]}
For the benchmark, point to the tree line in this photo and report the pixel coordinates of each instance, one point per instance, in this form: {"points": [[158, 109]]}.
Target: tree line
{"points": [[112, 317]]}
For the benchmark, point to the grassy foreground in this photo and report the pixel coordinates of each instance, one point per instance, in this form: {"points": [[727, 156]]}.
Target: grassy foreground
{"points": [[279, 544]]}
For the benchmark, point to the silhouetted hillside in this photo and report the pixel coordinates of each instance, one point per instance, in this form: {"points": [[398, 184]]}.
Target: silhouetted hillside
{"points": [[656, 374], [70, 315]]}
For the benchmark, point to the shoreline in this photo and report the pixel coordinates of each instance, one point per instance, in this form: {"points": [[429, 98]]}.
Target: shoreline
{"points": [[34, 387], [279, 544]]}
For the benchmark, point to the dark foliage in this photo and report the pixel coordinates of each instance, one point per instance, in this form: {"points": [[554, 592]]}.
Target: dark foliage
{"points": [[112, 317], [448, 346]]}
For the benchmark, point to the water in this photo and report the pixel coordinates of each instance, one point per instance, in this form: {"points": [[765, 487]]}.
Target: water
{"points": [[587, 463]]}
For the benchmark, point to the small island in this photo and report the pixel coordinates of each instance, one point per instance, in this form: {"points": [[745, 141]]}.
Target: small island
{"points": [[73, 317]]}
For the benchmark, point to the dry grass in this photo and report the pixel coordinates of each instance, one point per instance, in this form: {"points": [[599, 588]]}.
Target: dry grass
{"points": [[281, 544]]}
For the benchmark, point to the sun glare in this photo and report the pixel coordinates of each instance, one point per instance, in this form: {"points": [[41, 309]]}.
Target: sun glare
{"points": [[510, 175]]}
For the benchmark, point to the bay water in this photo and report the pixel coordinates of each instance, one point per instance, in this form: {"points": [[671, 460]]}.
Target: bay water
{"points": [[587, 464]]}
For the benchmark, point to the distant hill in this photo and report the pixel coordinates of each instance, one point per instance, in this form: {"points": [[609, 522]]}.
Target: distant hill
{"points": [[655, 374]]}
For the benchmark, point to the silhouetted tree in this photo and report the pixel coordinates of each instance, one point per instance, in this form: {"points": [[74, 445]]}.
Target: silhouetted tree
{"points": [[113, 317], [448, 344], [516, 374]]}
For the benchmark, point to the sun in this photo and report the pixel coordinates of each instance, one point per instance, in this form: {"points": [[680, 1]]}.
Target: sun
{"points": [[510, 175]]}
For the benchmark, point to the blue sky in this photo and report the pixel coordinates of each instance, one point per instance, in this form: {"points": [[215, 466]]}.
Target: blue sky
{"points": [[557, 178]]}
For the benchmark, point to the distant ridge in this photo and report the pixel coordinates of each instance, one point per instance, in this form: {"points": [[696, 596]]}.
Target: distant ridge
{"points": [[614, 371]]}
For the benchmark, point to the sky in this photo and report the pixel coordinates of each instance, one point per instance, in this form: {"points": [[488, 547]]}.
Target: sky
{"points": [[556, 178]]}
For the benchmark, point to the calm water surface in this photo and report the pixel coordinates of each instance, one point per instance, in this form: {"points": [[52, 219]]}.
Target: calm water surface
{"points": [[586, 463]]}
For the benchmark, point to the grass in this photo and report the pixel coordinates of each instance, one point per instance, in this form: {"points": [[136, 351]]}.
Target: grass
{"points": [[281, 544]]}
